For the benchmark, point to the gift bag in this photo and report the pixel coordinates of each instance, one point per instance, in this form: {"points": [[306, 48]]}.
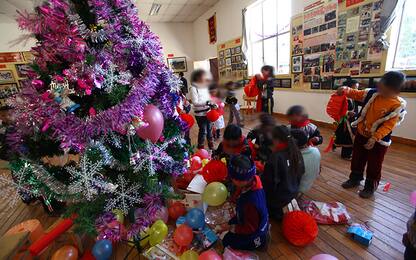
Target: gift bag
{"points": [[326, 213], [219, 124], [232, 254]]}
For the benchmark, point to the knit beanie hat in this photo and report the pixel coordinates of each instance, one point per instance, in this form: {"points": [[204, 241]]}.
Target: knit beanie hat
{"points": [[241, 168]]}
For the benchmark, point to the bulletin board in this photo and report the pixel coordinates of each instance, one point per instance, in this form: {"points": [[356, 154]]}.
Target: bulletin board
{"points": [[334, 39], [14, 67], [231, 61]]}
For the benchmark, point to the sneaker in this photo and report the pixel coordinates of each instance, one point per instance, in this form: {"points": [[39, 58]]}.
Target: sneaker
{"points": [[350, 184], [366, 193]]}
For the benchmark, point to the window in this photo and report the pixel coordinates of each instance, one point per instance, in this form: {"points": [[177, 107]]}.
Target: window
{"points": [[268, 39], [402, 51]]}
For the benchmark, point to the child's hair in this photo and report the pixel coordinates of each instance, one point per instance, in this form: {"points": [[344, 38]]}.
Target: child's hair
{"points": [[393, 80], [213, 86], [300, 137], [232, 132], [282, 134], [229, 84], [296, 110], [181, 74], [241, 167], [349, 82], [197, 75], [267, 119], [268, 68]]}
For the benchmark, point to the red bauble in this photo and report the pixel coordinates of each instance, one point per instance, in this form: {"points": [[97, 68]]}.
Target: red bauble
{"points": [[215, 170], [203, 154], [209, 255], [299, 228], [196, 163], [176, 210], [213, 115], [183, 235], [188, 119]]}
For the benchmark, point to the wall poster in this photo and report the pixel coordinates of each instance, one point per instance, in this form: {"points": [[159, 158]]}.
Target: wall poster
{"points": [[231, 61]]}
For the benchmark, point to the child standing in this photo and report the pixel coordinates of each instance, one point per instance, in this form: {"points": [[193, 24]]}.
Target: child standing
{"points": [[282, 172], [219, 124], [184, 107], [234, 143], [311, 159], [248, 229], [298, 119], [382, 110], [232, 101]]}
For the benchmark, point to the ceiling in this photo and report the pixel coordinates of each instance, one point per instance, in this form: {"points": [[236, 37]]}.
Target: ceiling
{"points": [[170, 10]]}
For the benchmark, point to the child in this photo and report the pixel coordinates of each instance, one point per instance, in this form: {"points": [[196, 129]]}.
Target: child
{"points": [[382, 110], [409, 239], [232, 101], [282, 172], [263, 82], [234, 143], [184, 107], [298, 119], [311, 159], [219, 124], [249, 228], [262, 137]]}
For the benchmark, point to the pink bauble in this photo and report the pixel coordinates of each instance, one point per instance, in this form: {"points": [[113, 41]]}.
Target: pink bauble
{"points": [[203, 154], [209, 255], [162, 214], [324, 257], [154, 118], [413, 198], [196, 163]]}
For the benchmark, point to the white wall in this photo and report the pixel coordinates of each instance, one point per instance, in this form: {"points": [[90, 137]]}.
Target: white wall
{"points": [[10, 34], [229, 26], [176, 39]]}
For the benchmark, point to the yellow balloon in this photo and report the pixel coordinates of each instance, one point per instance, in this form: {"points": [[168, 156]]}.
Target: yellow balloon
{"points": [[145, 237], [204, 162], [224, 160], [119, 215], [215, 194], [189, 255], [158, 232]]}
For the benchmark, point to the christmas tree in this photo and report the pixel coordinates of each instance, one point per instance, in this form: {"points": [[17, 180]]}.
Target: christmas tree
{"points": [[95, 125]]}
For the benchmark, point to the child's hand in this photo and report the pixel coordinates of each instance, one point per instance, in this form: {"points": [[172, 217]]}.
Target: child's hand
{"points": [[370, 143], [341, 90], [314, 140]]}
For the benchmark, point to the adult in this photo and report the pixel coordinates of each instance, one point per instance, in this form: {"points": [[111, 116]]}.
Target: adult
{"points": [[202, 103], [264, 84], [184, 84]]}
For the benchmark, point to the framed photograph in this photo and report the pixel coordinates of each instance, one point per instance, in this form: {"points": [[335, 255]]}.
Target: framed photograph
{"points": [[232, 51], [177, 64], [228, 62], [297, 62], [315, 85], [221, 55], [6, 76], [233, 59], [227, 52], [410, 85], [237, 50], [22, 70], [239, 58]]}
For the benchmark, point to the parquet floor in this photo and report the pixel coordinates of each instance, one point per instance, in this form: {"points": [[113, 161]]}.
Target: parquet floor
{"points": [[386, 214]]}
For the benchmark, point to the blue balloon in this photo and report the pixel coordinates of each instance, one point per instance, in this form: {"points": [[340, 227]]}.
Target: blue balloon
{"points": [[102, 250], [195, 218]]}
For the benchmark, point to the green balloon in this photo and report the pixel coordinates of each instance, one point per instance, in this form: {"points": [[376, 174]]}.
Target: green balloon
{"points": [[189, 255], [158, 232], [215, 194]]}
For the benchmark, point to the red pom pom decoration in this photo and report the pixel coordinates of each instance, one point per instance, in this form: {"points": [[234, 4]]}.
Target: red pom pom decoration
{"points": [[196, 163], [176, 210], [213, 115], [299, 228], [188, 119], [214, 171]]}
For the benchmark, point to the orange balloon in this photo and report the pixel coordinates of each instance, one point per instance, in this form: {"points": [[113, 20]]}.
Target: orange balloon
{"points": [[66, 253]]}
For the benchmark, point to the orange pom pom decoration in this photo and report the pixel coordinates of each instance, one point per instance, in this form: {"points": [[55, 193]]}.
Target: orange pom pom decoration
{"points": [[188, 119], [214, 171], [213, 115], [299, 228]]}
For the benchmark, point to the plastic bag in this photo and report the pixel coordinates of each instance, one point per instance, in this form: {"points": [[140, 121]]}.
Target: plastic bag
{"points": [[326, 213], [337, 107], [232, 254]]}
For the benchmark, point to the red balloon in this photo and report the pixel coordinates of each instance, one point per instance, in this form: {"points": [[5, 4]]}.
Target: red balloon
{"points": [[196, 163], [203, 154], [188, 119], [176, 210], [183, 235], [209, 255], [213, 115], [215, 170], [155, 122]]}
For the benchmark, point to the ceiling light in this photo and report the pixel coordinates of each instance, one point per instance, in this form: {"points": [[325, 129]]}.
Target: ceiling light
{"points": [[155, 9]]}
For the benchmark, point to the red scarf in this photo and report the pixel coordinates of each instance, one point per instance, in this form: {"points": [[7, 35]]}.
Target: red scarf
{"points": [[234, 149], [280, 147], [300, 124]]}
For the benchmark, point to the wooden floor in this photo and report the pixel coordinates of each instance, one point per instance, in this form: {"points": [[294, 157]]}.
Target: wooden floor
{"points": [[386, 214]]}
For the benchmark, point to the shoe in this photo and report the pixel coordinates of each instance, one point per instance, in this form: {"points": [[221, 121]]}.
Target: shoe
{"points": [[366, 193], [347, 158], [350, 184]]}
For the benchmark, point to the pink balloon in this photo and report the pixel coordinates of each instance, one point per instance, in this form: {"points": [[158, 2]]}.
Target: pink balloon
{"points": [[154, 118], [162, 214], [413, 198], [196, 163], [202, 153], [209, 255], [324, 257]]}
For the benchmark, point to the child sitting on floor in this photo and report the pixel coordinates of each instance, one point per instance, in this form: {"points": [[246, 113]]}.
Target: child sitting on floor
{"points": [[234, 143], [409, 239], [382, 110], [282, 172], [249, 228], [261, 135], [298, 119], [311, 159]]}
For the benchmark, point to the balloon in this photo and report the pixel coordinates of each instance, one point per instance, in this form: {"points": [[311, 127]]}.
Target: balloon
{"points": [[189, 255], [215, 194], [66, 253], [162, 214], [87, 256], [155, 121], [119, 215], [176, 210], [203, 154], [195, 218], [158, 232], [221, 106], [413, 198], [324, 257], [102, 249], [196, 163], [183, 235], [213, 115], [209, 255], [205, 162], [188, 119]]}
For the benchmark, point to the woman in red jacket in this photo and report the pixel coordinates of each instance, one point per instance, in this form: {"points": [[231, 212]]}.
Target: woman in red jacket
{"points": [[261, 86]]}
